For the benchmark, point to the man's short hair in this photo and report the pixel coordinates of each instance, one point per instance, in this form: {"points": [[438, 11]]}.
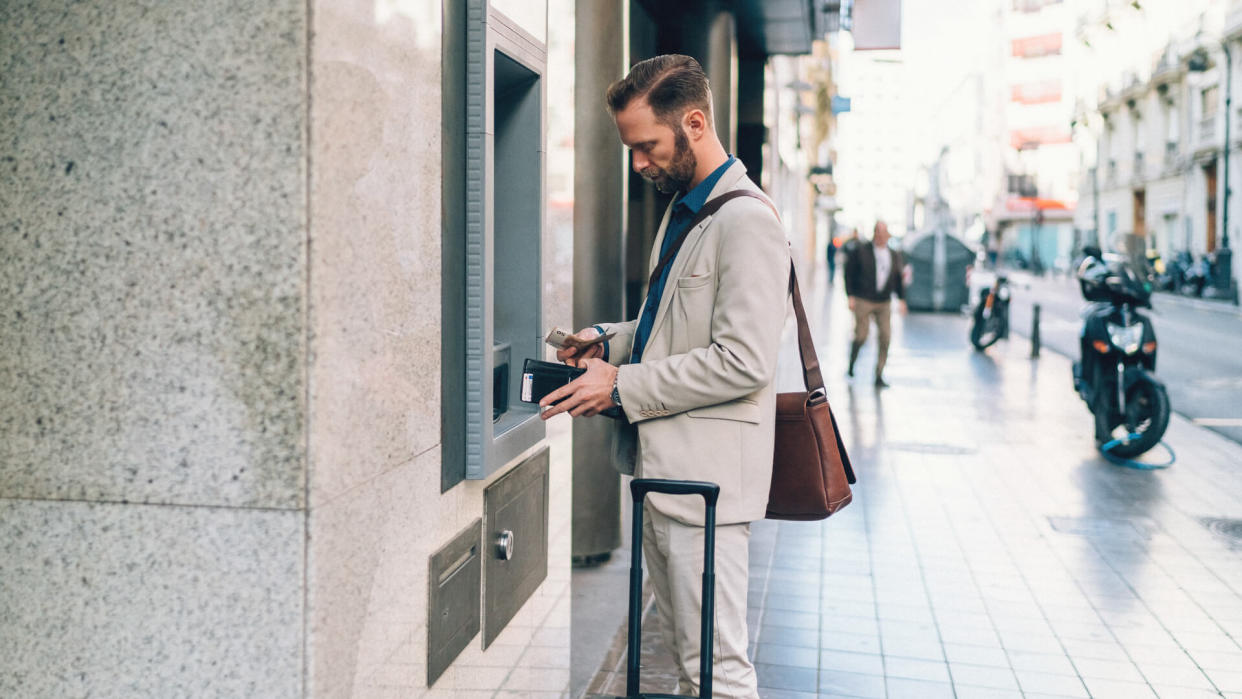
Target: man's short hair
{"points": [[672, 84]]}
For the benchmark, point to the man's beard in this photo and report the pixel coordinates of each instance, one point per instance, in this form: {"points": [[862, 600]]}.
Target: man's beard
{"points": [[680, 172]]}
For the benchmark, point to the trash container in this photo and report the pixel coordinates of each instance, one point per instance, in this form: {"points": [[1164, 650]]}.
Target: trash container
{"points": [[938, 262]]}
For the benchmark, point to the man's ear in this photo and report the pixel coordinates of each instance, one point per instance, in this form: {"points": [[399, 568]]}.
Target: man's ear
{"points": [[694, 122]]}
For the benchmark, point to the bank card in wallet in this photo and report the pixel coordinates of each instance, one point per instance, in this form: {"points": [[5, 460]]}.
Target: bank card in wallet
{"points": [[540, 378]]}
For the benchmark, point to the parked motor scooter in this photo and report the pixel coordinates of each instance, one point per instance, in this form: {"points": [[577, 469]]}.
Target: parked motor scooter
{"points": [[991, 314], [1115, 374], [1196, 277]]}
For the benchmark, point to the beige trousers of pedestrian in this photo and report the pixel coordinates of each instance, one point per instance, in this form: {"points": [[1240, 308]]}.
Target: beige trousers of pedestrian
{"points": [[674, 555], [864, 311]]}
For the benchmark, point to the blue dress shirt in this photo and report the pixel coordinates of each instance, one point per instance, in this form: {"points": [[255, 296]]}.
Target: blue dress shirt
{"points": [[684, 211]]}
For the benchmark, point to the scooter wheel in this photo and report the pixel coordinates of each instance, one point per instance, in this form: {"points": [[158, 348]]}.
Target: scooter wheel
{"points": [[1149, 403]]}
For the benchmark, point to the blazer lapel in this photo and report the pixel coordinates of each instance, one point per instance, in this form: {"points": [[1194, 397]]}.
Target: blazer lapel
{"points": [[727, 182], [659, 239]]}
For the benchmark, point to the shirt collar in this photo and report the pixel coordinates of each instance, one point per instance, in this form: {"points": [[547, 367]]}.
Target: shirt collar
{"points": [[697, 197]]}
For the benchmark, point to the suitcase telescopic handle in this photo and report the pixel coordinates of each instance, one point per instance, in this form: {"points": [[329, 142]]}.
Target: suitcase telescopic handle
{"points": [[640, 487]]}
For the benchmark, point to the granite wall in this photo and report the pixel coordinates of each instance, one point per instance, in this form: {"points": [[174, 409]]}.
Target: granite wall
{"points": [[219, 348], [152, 348]]}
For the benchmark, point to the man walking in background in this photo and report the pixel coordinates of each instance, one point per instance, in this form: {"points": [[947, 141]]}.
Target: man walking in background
{"points": [[873, 273]]}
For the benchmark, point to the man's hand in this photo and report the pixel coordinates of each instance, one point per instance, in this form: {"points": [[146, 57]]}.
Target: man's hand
{"points": [[586, 395], [571, 356], [901, 307], [851, 303]]}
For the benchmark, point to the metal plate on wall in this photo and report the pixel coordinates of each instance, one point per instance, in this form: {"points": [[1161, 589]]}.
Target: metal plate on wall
{"points": [[515, 541], [453, 609]]}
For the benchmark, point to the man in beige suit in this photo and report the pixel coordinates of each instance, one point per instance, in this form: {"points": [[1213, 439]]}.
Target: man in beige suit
{"points": [[693, 374]]}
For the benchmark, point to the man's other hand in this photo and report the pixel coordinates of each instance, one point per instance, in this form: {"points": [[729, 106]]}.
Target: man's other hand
{"points": [[571, 355], [851, 303], [586, 395], [901, 307]]}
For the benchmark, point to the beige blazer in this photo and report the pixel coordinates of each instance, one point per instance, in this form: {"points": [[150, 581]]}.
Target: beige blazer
{"points": [[701, 403]]}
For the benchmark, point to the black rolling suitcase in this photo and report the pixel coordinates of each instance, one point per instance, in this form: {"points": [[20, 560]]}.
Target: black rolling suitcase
{"points": [[639, 488]]}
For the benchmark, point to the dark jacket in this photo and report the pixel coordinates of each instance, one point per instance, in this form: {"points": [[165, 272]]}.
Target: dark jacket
{"points": [[860, 278]]}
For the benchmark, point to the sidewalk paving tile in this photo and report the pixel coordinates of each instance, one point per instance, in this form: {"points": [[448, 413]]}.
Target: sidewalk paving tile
{"points": [[852, 642], [1044, 683], [1113, 689], [1173, 692], [976, 655], [797, 656], [1176, 675], [915, 648], [980, 676], [918, 689], [1227, 680], [862, 663], [801, 679], [972, 692], [1107, 669], [851, 684], [914, 669]]}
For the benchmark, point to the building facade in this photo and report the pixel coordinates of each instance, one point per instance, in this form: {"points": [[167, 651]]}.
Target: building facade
{"points": [[1155, 126]]}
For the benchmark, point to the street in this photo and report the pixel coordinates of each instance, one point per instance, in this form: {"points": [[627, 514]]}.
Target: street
{"points": [[990, 551], [1200, 346]]}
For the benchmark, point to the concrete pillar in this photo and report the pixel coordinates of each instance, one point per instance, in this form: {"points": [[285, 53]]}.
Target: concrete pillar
{"points": [[599, 269], [721, 68], [751, 132]]}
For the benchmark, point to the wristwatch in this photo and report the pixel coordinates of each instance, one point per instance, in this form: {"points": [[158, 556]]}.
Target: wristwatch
{"points": [[616, 395]]}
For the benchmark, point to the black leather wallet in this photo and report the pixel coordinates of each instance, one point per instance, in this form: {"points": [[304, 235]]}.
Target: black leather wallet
{"points": [[540, 378]]}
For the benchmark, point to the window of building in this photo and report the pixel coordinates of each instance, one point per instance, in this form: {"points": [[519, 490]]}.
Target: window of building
{"points": [[1208, 98]]}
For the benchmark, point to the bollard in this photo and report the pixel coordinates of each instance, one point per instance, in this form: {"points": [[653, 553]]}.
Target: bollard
{"points": [[1035, 332]]}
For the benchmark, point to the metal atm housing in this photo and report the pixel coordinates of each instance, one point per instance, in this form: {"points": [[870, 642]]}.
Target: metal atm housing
{"points": [[492, 247]]}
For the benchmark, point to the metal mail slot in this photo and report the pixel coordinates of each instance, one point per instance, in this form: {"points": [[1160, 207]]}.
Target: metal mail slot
{"points": [[515, 542], [453, 608]]}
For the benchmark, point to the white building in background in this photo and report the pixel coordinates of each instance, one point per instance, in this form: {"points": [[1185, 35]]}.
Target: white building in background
{"points": [[1034, 218], [874, 169], [1151, 118]]}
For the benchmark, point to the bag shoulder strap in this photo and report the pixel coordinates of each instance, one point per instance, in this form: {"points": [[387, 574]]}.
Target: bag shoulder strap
{"points": [[709, 208], [812, 377]]}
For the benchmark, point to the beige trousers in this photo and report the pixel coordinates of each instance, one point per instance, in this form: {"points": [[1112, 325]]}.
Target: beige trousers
{"points": [[864, 311], [674, 555]]}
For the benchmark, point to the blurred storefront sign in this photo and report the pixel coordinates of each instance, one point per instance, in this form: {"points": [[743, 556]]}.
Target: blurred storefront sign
{"points": [[1035, 46], [877, 25], [1037, 136]]}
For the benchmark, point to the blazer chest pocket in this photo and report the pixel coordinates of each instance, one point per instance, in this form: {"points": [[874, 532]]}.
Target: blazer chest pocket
{"points": [[693, 282], [739, 410]]}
